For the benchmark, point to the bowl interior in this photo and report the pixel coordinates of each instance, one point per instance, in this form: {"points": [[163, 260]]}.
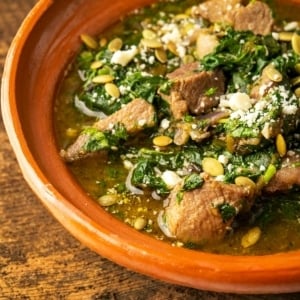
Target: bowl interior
{"points": [[43, 48]]}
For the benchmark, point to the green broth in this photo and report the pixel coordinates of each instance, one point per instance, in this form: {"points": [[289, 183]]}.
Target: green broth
{"points": [[104, 173]]}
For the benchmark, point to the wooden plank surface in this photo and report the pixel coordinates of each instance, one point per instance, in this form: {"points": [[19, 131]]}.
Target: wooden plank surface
{"points": [[39, 259]]}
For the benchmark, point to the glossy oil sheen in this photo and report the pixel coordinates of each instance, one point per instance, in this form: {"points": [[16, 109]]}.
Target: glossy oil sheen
{"points": [[43, 47]]}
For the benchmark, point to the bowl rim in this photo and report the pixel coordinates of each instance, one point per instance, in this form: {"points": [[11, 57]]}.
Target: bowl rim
{"points": [[215, 272]]}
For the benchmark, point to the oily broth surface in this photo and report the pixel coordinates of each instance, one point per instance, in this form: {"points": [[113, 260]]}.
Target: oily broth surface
{"points": [[98, 173]]}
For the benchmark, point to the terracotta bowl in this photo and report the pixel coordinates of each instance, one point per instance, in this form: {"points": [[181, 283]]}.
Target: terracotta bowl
{"points": [[42, 48]]}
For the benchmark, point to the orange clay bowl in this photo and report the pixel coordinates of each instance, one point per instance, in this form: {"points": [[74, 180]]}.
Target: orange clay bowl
{"points": [[44, 45]]}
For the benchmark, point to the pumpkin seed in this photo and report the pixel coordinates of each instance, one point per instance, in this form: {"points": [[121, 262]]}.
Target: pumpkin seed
{"points": [[296, 43], [153, 43], [89, 41], [212, 166], [188, 59], [272, 73], [251, 237], [180, 17], [245, 181], [103, 42], [140, 223], [280, 145], [71, 132], [297, 68], [295, 81], [112, 90], [103, 78], [285, 36], [172, 48], [161, 55], [230, 143], [297, 92], [162, 141], [149, 34], [115, 45], [108, 200], [96, 64]]}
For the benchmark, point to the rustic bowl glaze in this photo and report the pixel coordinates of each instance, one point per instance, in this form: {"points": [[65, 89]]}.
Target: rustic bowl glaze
{"points": [[41, 50]]}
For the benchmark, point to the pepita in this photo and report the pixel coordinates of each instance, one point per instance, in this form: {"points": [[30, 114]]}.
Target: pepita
{"points": [[297, 68], [245, 181], [71, 132], [251, 237], [149, 34], [180, 17], [230, 143], [112, 90], [103, 42], [162, 141], [96, 64], [153, 43], [188, 59], [115, 45], [140, 223], [281, 145], [295, 81], [161, 55], [89, 41], [212, 166], [108, 200], [103, 79], [272, 73], [297, 92], [172, 48], [296, 43], [285, 36]]}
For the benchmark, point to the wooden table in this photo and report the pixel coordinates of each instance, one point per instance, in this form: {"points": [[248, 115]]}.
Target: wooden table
{"points": [[39, 259]]}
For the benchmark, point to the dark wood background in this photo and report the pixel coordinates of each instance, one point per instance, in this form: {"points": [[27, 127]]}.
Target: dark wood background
{"points": [[39, 259]]}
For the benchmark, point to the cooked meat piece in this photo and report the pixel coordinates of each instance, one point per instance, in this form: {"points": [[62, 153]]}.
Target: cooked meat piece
{"points": [[200, 90], [218, 11], [285, 178], [135, 116], [196, 217], [256, 17], [178, 106]]}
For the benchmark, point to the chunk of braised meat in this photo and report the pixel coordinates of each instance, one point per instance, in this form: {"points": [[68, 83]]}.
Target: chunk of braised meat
{"points": [[287, 177], [185, 130], [218, 11], [200, 90], [196, 216], [256, 17], [135, 116]]}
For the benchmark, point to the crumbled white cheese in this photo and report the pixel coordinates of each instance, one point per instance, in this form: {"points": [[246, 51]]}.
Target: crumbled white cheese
{"points": [[239, 101], [223, 159], [165, 123], [170, 178], [123, 57]]}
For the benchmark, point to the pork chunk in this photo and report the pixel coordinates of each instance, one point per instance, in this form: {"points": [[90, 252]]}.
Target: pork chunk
{"points": [[218, 11], [135, 116], [287, 177], [256, 17], [196, 217], [200, 90]]}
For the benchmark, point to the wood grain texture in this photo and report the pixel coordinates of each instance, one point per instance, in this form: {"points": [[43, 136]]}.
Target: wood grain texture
{"points": [[39, 259]]}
